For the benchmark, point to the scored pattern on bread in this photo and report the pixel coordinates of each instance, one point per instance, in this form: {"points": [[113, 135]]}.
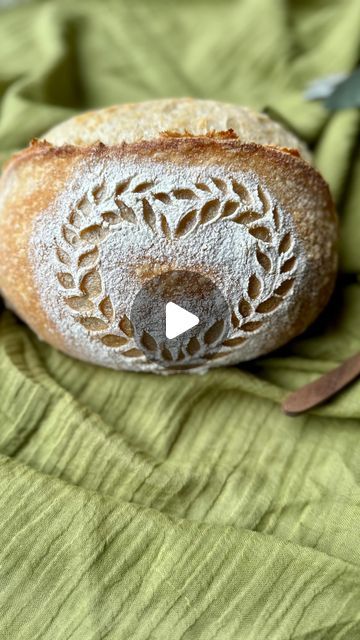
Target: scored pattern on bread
{"points": [[91, 221], [110, 203]]}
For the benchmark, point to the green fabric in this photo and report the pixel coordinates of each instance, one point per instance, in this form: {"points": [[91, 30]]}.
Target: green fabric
{"points": [[140, 507]]}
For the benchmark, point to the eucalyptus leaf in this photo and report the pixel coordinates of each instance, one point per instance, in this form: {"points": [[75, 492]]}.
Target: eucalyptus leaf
{"points": [[321, 88], [346, 94]]}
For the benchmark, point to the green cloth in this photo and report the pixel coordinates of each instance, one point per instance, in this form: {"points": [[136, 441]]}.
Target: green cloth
{"points": [[138, 507]]}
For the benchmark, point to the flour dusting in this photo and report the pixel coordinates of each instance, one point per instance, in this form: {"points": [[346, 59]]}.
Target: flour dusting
{"points": [[118, 224]]}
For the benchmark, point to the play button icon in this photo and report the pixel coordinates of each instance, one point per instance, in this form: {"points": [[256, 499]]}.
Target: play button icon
{"points": [[178, 320]]}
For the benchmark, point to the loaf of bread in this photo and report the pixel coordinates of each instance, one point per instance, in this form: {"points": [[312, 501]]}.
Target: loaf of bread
{"points": [[114, 199]]}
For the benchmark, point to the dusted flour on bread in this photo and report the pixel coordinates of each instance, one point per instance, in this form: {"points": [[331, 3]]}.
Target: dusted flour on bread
{"points": [[84, 226], [117, 226]]}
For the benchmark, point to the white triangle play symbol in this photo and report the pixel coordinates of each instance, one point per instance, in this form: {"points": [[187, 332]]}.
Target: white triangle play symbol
{"points": [[178, 320]]}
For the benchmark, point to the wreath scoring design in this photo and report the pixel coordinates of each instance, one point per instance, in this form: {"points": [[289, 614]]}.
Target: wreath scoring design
{"points": [[91, 221]]}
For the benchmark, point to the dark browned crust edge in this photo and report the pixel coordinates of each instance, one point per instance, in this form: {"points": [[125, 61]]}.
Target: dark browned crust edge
{"points": [[221, 142]]}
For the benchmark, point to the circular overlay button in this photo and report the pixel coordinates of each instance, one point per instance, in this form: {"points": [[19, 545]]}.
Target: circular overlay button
{"points": [[180, 318]]}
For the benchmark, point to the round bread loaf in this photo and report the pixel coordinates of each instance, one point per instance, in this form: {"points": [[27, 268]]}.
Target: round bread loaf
{"points": [[113, 199]]}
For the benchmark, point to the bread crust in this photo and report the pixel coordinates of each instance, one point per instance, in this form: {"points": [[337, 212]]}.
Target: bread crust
{"points": [[33, 179], [137, 121]]}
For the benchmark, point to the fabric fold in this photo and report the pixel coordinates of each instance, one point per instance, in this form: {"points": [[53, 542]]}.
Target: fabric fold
{"points": [[136, 506]]}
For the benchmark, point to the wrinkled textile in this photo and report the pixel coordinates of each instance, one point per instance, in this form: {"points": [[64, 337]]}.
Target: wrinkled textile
{"points": [[142, 507]]}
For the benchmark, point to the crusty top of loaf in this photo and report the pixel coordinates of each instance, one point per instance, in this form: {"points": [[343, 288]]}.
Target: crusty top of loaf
{"points": [[137, 121]]}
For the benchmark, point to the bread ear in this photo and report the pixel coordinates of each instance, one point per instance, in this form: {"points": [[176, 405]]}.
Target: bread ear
{"points": [[175, 117]]}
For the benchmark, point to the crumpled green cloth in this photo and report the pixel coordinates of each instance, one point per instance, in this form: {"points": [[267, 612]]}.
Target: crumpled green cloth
{"points": [[184, 508]]}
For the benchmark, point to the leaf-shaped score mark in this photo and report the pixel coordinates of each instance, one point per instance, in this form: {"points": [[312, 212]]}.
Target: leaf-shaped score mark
{"points": [[234, 320], [63, 256], [98, 192], [254, 287], [241, 191], [251, 326], [269, 305], [166, 354], [143, 186], [111, 217], [163, 197], [187, 223], [288, 265], [261, 233], [121, 187], [214, 333], [85, 206], [285, 287], [70, 236], [164, 225], [229, 208], [220, 184], [202, 186], [247, 217], [106, 308], [93, 234], [76, 219], [88, 259], [193, 346], [209, 211], [149, 215], [132, 353], [181, 355], [263, 260], [263, 199], [285, 243], [91, 284], [234, 342], [126, 326], [148, 342], [245, 308], [184, 194], [93, 324], [111, 340], [126, 213], [80, 303], [66, 280]]}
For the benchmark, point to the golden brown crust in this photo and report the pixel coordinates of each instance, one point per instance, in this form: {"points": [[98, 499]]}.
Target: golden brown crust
{"points": [[297, 185], [28, 185], [35, 176], [221, 148]]}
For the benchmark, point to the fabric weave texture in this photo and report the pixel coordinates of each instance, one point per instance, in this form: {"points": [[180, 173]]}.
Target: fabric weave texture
{"points": [[135, 506]]}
